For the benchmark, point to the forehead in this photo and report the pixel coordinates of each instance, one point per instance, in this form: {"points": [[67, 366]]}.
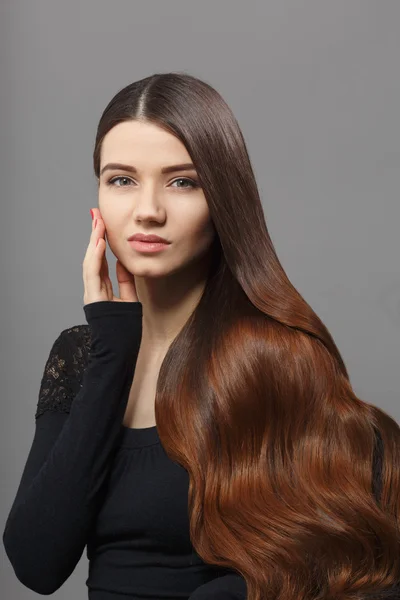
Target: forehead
{"points": [[140, 144]]}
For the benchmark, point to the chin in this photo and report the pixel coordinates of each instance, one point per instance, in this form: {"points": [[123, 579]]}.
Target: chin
{"points": [[156, 271]]}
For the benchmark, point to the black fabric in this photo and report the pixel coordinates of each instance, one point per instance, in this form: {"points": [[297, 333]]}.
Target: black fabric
{"points": [[91, 482]]}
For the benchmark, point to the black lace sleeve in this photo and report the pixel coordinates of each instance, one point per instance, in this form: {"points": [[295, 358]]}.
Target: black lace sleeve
{"points": [[61, 378], [63, 372], [82, 400]]}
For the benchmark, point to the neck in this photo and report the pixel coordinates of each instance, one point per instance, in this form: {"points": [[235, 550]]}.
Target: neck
{"points": [[168, 303]]}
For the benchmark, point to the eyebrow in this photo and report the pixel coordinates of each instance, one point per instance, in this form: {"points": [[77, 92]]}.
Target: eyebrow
{"points": [[131, 169]]}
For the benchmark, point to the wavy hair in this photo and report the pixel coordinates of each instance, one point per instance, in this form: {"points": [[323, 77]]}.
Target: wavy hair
{"points": [[253, 397]]}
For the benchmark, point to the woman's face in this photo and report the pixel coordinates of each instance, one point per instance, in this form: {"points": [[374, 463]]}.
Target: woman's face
{"points": [[151, 202]]}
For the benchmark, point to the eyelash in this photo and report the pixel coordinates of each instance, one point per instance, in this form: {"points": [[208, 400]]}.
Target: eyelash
{"points": [[194, 184]]}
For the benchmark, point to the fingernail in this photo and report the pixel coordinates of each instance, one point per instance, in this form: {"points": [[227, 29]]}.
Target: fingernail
{"points": [[91, 212]]}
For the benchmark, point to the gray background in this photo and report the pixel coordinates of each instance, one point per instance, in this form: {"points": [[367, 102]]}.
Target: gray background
{"points": [[315, 88]]}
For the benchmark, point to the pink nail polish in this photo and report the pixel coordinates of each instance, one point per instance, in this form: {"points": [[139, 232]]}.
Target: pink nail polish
{"points": [[91, 212]]}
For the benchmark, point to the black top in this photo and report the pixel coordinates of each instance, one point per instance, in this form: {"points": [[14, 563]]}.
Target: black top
{"points": [[90, 481]]}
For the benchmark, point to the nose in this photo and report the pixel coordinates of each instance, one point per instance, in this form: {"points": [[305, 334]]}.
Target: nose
{"points": [[148, 205]]}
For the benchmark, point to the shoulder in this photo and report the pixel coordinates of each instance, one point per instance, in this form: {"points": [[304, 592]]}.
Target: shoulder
{"points": [[75, 341], [64, 369]]}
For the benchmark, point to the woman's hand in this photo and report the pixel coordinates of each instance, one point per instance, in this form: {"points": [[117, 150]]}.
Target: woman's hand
{"points": [[97, 283]]}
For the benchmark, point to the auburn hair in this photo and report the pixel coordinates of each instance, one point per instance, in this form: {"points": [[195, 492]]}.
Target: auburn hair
{"points": [[253, 397]]}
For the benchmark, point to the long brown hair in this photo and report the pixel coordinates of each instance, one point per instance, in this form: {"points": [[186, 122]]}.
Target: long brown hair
{"points": [[253, 397]]}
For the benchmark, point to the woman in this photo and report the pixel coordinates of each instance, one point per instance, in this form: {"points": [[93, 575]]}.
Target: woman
{"points": [[199, 434]]}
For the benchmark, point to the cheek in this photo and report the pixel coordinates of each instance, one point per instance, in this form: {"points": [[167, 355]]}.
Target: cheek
{"points": [[114, 222], [113, 230], [200, 233]]}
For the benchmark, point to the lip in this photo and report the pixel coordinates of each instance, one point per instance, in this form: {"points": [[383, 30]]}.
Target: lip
{"points": [[147, 247], [142, 237]]}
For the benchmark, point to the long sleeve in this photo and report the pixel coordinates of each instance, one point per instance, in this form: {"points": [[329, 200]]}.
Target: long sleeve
{"points": [[61, 488]]}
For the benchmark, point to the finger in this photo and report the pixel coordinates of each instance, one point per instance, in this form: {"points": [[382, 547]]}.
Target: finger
{"points": [[93, 260], [90, 245], [94, 236], [110, 291], [126, 284], [104, 265], [105, 276]]}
